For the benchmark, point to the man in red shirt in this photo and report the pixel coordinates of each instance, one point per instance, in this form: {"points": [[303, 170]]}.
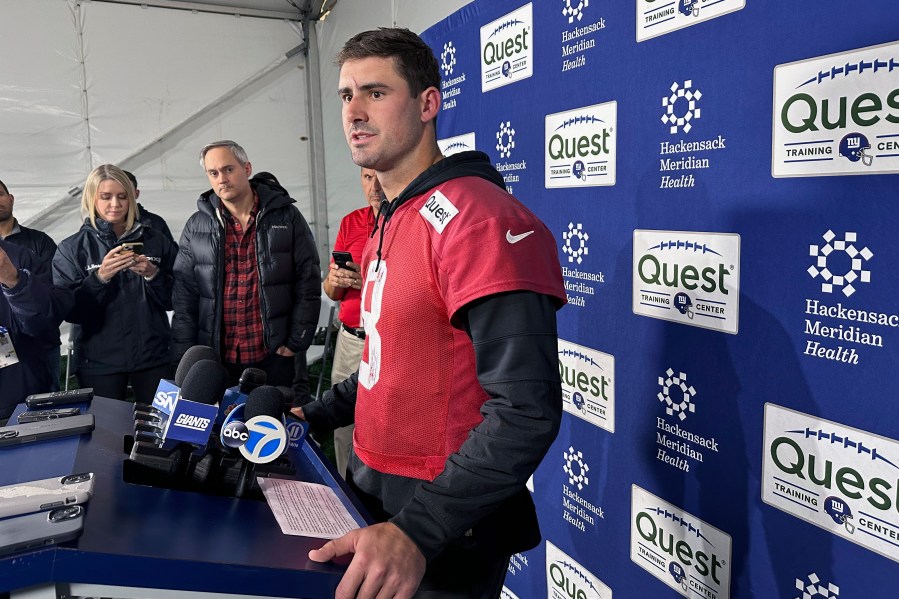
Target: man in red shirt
{"points": [[344, 285], [458, 395]]}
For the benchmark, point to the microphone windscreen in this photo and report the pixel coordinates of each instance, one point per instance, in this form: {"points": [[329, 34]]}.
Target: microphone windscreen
{"points": [[251, 378], [205, 383], [288, 395], [264, 401], [192, 356]]}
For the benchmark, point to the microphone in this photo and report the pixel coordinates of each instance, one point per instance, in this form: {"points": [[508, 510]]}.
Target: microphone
{"points": [[193, 355], [189, 422], [257, 431], [192, 418], [250, 379], [168, 392]]}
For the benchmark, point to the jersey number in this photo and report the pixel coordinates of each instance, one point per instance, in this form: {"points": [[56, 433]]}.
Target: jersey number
{"points": [[372, 296]]}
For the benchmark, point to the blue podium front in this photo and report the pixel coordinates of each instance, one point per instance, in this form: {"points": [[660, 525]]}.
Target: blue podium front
{"points": [[141, 541]]}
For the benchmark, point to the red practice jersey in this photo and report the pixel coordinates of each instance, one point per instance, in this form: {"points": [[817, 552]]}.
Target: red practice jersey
{"points": [[418, 394]]}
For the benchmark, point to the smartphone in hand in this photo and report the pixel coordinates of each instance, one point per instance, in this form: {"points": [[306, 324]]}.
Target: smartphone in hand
{"points": [[132, 246], [341, 259]]}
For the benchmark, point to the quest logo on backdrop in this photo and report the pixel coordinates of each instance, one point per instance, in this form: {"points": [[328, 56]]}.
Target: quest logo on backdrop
{"points": [[688, 277], [567, 579], [507, 49], [588, 389], [580, 279], [581, 146], [837, 114], [837, 328], [658, 17], [580, 35], [839, 478], [577, 510], [689, 555], [456, 144]]}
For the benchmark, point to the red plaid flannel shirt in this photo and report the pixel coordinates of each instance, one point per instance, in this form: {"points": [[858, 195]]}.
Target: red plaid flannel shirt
{"points": [[242, 341]]}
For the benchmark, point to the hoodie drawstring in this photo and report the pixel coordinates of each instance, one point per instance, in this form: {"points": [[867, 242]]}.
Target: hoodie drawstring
{"points": [[383, 211]]}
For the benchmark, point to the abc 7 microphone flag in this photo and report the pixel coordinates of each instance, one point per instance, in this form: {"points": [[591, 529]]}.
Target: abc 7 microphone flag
{"points": [[260, 440]]}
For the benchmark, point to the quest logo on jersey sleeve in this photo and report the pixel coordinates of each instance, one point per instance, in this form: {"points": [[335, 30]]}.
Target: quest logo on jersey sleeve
{"points": [[507, 49], [837, 114], [438, 211], [567, 579], [839, 478], [689, 555], [688, 277]]}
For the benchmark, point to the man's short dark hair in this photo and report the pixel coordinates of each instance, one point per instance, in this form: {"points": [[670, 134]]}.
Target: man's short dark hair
{"points": [[3, 185], [132, 177], [415, 62]]}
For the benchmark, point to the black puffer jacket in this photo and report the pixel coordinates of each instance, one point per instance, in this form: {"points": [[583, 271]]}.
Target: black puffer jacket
{"points": [[122, 325], [287, 265]]}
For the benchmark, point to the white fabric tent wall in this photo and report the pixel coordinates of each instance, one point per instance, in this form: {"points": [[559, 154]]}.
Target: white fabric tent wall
{"points": [[154, 86]]}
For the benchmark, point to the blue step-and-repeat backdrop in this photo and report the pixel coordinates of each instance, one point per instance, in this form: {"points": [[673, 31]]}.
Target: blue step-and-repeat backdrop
{"points": [[721, 177]]}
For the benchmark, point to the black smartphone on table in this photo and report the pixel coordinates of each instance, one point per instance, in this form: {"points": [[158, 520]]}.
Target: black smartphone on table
{"points": [[33, 531], [37, 415], [59, 398]]}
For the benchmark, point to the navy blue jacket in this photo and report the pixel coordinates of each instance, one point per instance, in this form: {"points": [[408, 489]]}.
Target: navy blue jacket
{"points": [[149, 219], [38, 242], [31, 312], [120, 326]]}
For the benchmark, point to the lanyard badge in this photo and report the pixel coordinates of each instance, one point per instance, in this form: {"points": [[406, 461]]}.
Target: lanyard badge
{"points": [[7, 351]]}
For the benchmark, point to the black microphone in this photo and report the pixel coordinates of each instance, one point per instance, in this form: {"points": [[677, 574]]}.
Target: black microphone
{"points": [[165, 449], [288, 395], [262, 401], [250, 379], [205, 382], [192, 356]]}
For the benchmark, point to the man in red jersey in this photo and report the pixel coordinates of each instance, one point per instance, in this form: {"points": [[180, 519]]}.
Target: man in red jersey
{"points": [[458, 396]]}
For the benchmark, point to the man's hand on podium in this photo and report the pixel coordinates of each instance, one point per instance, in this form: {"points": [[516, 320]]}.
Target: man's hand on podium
{"points": [[386, 563]]}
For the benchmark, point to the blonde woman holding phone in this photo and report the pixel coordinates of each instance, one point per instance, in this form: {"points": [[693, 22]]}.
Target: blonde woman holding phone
{"points": [[121, 273]]}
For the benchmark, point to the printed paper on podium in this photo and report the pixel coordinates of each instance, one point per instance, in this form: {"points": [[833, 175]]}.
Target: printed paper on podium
{"points": [[306, 509]]}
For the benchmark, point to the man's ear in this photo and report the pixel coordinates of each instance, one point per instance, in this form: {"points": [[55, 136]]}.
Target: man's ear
{"points": [[430, 104], [249, 168]]}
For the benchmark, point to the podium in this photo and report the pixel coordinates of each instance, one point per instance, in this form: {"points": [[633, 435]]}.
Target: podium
{"points": [[141, 541]]}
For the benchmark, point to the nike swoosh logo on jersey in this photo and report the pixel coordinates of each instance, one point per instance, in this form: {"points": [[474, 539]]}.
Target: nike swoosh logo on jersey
{"points": [[516, 238]]}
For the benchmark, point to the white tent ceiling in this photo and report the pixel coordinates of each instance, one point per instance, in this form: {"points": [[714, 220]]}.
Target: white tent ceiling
{"points": [[145, 83]]}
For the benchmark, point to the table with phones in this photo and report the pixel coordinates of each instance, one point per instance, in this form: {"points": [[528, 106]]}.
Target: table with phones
{"points": [[141, 541]]}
